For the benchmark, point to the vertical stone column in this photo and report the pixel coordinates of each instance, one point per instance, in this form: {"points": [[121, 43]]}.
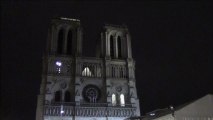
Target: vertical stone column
{"points": [[115, 46], [53, 38], [77, 81], [107, 43], [108, 84], [79, 41], [129, 48], [40, 107]]}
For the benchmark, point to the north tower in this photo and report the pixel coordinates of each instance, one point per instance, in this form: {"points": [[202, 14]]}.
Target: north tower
{"points": [[75, 87]]}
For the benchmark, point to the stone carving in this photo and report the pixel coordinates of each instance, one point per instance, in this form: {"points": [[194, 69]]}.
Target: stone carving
{"points": [[77, 93], [118, 88], [82, 80], [91, 93]]}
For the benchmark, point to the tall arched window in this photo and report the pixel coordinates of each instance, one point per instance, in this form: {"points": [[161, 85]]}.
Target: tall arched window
{"points": [[69, 42], [67, 96], [111, 46], [60, 41], [122, 100], [57, 96], [119, 46], [113, 99]]}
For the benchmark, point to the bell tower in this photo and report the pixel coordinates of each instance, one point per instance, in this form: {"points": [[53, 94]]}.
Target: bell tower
{"points": [[65, 37], [115, 42], [115, 46], [75, 87]]}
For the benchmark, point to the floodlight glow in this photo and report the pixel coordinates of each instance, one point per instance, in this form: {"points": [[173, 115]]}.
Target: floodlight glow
{"points": [[58, 63], [152, 114], [70, 19], [62, 111]]}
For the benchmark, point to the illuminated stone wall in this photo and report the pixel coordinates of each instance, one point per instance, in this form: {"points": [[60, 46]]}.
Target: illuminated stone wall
{"points": [[78, 87]]}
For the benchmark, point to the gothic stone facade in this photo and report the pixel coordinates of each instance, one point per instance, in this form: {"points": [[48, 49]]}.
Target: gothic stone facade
{"points": [[75, 87]]}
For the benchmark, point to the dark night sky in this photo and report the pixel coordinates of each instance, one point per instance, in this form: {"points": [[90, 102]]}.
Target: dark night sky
{"points": [[171, 42]]}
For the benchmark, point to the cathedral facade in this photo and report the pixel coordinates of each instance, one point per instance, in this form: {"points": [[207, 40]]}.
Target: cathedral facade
{"points": [[75, 87]]}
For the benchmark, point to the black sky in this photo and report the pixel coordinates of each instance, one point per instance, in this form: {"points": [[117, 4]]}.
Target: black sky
{"points": [[171, 42]]}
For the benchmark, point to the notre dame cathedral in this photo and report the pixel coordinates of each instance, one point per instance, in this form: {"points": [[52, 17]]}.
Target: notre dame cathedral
{"points": [[75, 87]]}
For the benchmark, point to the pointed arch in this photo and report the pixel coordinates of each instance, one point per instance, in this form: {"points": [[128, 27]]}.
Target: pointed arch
{"points": [[69, 42], [58, 96], [60, 41], [67, 97], [86, 72], [111, 46], [114, 100], [119, 46], [122, 100]]}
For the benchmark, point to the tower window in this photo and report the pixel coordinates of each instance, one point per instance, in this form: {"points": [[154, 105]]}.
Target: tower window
{"points": [[57, 96], [69, 43], [86, 72], [111, 47], [119, 46], [67, 96], [113, 99], [122, 100], [60, 41]]}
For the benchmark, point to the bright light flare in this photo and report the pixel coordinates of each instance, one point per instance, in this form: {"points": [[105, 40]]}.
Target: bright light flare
{"points": [[152, 114], [58, 63]]}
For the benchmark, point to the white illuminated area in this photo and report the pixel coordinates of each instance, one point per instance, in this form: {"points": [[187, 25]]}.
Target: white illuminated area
{"points": [[113, 100], [152, 114], [63, 18], [122, 100], [86, 72], [62, 111], [58, 63]]}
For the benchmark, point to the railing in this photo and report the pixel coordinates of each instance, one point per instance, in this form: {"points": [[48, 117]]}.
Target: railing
{"points": [[83, 104], [117, 71], [86, 67], [90, 67], [116, 111]]}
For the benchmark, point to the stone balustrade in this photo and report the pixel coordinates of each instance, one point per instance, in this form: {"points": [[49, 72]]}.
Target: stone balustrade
{"points": [[89, 67], [95, 111], [86, 67]]}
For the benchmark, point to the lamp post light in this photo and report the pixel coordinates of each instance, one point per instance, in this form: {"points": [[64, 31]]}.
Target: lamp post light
{"points": [[172, 109], [62, 111]]}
